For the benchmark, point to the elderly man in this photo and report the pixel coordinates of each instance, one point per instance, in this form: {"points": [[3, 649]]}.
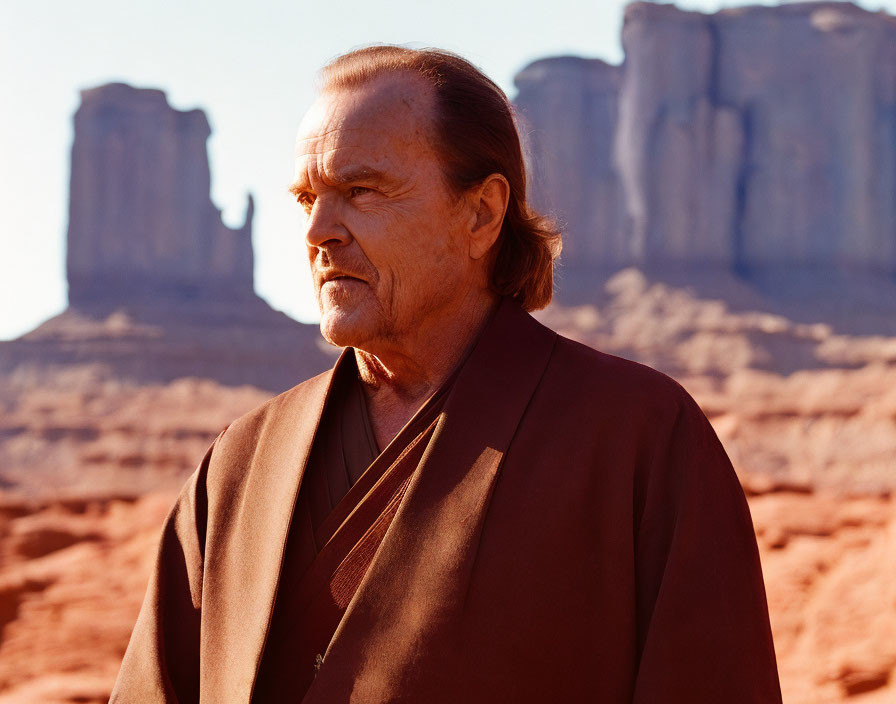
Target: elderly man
{"points": [[467, 507]]}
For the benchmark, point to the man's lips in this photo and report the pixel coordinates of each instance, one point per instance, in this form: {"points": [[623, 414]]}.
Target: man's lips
{"points": [[327, 278]]}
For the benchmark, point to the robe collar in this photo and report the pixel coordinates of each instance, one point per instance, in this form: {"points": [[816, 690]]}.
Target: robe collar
{"points": [[419, 577], [401, 621]]}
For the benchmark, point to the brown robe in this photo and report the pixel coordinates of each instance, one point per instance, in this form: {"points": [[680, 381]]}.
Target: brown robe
{"points": [[573, 532], [348, 498]]}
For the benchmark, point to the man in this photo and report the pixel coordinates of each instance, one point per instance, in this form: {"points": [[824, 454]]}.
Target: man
{"points": [[468, 507]]}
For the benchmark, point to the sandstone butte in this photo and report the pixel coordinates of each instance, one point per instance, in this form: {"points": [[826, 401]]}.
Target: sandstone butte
{"points": [[758, 139], [717, 229]]}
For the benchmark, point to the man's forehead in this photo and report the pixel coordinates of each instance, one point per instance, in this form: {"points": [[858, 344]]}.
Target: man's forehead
{"points": [[345, 164], [340, 151], [393, 108], [324, 123]]}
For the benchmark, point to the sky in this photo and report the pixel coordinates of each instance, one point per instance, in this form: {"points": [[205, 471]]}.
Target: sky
{"points": [[251, 67]]}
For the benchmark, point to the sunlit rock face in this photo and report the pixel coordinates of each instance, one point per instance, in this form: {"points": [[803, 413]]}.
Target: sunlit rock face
{"points": [[142, 225], [755, 139], [678, 152], [568, 108]]}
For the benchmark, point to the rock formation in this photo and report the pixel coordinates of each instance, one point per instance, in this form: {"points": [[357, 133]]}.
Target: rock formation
{"points": [[755, 139], [141, 222], [561, 101], [159, 287], [81, 460]]}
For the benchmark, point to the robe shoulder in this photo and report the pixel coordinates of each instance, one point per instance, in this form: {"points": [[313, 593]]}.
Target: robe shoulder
{"points": [[291, 401], [646, 460], [592, 377], [627, 429], [266, 432]]}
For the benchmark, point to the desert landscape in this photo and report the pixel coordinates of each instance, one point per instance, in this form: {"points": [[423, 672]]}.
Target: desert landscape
{"points": [[92, 465], [709, 217]]}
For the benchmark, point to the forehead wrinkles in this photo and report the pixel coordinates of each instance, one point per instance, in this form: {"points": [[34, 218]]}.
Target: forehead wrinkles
{"points": [[318, 155], [343, 164], [383, 127], [328, 140]]}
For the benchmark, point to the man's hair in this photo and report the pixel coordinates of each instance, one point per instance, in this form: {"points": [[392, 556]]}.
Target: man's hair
{"points": [[475, 136]]}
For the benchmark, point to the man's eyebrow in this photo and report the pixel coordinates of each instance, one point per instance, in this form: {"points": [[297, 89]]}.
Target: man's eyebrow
{"points": [[356, 173], [297, 187], [344, 177]]}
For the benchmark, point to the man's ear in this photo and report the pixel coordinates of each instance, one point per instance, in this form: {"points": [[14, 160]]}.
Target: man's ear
{"points": [[489, 200]]}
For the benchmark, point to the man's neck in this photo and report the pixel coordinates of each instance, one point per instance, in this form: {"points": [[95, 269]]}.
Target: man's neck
{"points": [[400, 378]]}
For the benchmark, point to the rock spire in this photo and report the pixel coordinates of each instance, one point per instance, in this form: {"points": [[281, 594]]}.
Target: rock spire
{"points": [[141, 223]]}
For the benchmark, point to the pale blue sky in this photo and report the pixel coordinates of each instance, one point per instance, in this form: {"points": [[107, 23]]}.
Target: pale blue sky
{"points": [[250, 66]]}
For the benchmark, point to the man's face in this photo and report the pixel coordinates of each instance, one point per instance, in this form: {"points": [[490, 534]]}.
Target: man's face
{"points": [[385, 235]]}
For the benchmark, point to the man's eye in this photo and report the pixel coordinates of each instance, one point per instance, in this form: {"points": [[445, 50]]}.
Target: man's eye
{"points": [[306, 200], [356, 191]]}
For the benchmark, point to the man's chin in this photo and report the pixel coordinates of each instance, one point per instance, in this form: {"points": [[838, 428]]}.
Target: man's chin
{"points": [[342, 329]]}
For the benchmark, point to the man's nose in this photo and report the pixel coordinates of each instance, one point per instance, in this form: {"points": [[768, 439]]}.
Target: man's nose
{"points": [[324, 227]]}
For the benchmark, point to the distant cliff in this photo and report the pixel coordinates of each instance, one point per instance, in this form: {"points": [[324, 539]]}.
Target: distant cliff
{"points": [[141, 222], [571, 106], [749, 140], [159, 287]]}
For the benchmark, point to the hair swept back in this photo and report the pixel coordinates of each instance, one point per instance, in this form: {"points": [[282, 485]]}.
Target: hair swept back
{"points": [[476, 136]]}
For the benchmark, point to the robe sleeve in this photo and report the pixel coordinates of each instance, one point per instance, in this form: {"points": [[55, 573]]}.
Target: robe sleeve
{"points": [[161, 663], [703, 625]]}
